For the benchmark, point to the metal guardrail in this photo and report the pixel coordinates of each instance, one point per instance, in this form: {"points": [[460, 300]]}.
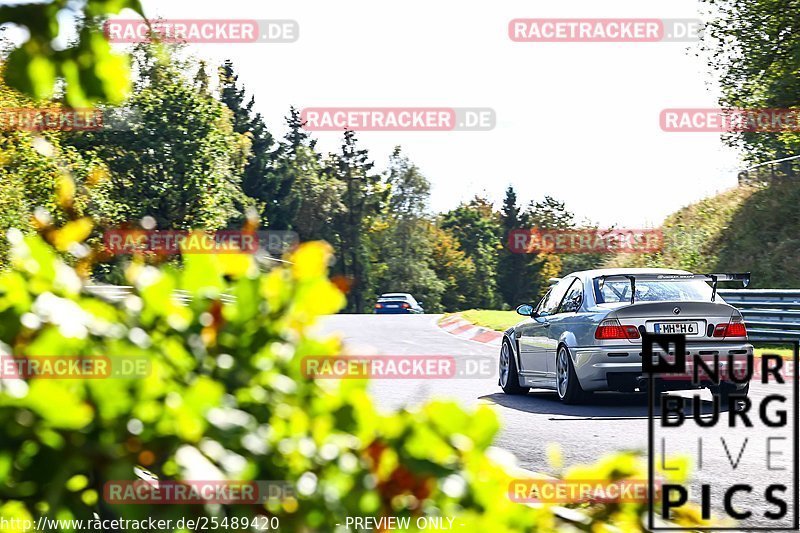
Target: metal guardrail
{"points": [[119, 292], [769, 314], [769, 171]]}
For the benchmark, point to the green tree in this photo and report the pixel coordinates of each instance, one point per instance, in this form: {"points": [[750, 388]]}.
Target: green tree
{"points": [[753, 47], [517, 273], [548, 214], [201, 81], [365, 196], [551, 214], [271, 188], [297, 136], [454, 268], [181, 167], [315, 189], [477, 228], [400, 238], [37, 169]]}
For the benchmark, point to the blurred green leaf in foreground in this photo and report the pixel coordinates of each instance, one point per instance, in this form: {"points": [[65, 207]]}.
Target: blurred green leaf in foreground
{"points": [[90, 70]]}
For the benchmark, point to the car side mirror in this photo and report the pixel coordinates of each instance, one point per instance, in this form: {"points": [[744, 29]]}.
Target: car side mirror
{"points": [[526, 310]]}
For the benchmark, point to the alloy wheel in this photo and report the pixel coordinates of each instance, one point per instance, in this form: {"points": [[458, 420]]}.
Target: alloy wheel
{"points": [[504, 364], [562, 373]]}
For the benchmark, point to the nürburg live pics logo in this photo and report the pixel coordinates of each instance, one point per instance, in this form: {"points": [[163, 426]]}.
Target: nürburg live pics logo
{"points": [[740, 446]]}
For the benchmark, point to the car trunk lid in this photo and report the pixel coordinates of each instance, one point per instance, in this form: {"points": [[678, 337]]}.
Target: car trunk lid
{"points": [[696, 320]]}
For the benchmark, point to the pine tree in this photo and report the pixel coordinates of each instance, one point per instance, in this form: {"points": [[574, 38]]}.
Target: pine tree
{"points": [[263, 179], [201, 78], [297, 136], [365, 195], [516, 272], [233, 96], [315, 189]]}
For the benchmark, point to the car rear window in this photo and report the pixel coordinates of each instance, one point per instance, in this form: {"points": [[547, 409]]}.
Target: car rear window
{"points": [[616, 291]]}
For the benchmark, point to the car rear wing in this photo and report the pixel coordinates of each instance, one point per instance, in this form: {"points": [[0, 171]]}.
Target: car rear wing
{"points": [[744, 277]]}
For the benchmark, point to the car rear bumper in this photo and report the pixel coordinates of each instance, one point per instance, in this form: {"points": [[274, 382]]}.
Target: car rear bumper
{"points": [[620, 367]]}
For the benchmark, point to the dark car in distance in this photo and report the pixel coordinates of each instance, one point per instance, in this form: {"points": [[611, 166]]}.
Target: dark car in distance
{"points": [[397, 303]]}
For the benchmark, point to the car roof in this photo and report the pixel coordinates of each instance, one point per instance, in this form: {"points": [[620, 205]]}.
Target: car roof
{"points": [[392, 294]]}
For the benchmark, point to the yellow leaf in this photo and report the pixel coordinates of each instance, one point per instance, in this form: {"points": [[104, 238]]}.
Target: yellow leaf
{"points": [[16, 515], [236, 264], [311, 260], [72, 232], [97, 175], [65, 190]]}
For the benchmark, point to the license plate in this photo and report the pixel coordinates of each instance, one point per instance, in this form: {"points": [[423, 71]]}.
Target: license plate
{"points": [[393, 306], [684, 328]]}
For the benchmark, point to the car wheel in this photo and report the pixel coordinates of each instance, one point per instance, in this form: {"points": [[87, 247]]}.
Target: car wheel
{"points": [[567, 385], [509, 376]]}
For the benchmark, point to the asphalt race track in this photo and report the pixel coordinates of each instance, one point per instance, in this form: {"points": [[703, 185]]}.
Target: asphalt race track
{"points": [[613, 421]]}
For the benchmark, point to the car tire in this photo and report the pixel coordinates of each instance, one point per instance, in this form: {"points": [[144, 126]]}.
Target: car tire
{"points": [[509, 376], [568, 387]]}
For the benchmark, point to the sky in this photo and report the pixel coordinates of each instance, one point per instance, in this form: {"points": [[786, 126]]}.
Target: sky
{"points": [[577, 121]]}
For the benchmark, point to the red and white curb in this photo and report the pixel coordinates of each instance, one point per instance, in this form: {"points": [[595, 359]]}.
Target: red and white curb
{"points": [[455, 325]]}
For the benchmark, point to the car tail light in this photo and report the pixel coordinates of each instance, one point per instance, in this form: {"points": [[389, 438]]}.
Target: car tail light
{"points": [[612, 329], [734, 328], [406, 306], [378, 306]]}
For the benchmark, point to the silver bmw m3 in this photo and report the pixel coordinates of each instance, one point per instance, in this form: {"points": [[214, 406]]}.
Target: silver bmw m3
{"points": [[585, 335]]}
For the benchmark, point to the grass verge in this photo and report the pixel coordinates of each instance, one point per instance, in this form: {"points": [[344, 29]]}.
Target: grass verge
{"points": [[491, 319], [786, 353]]}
